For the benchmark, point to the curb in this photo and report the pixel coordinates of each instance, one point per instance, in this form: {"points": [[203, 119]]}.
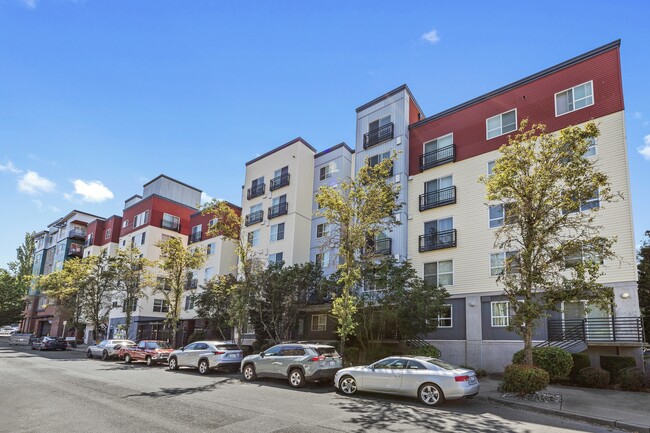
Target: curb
{"points": [[572, 415]]}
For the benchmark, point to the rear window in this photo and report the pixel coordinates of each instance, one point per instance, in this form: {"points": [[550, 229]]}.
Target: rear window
{"points": [[228, 347], [327, 351], [441, 364]]}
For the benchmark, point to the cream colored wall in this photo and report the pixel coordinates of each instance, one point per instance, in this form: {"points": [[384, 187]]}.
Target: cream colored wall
{"points": [[475, 239]]}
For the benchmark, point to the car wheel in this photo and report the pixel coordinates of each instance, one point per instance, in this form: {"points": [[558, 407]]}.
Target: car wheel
{"points": [[150, 362], [173, 363], [431, 394], [105, 355], [296, 378], [204, 367], [348, 385], [127, 358], [249, 373]]}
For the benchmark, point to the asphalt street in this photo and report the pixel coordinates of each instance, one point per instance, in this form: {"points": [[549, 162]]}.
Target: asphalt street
{"points": [[65, 392]]}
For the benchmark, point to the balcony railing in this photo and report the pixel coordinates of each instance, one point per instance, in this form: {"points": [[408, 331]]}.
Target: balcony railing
{"points": [[383, 246], [170, 225], [438, 198], [196, 237], [77, 234], [256, 191], [597, 330], [378, 135], [278, 209], [254, 218], [279, 182], [191, 284], [438, 240], [438, 157]]}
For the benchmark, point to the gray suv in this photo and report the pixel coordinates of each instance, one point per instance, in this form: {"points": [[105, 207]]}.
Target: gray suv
{"points": [[298, 362], [207, 355]]}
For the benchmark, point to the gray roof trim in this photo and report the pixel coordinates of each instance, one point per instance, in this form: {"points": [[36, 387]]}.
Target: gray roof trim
{"points": [[132, 197], [270, 152], [333, 148], [388, 95], [526, 80], [173, 180], [149, 197]]}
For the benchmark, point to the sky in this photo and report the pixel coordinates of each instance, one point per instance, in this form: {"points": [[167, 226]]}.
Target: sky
{"points": [[97, 97]]}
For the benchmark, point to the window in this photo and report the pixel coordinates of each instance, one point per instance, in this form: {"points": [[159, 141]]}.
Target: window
{"points": [[275, 258], [277, 232], [323, 259], [171, 222], [327, 171], [439, 273], [189, 302], [501, 124], [209, 273], [123, 242], [254, 238], [498, 214], [375, 125], [574, 99], [142, 238], [591, 203], [591, 150], [438, 143], [256, 208], [500, 316], [322, 230], [376, 159], [583, 255], [212, 222], [444, 317], [319, 322], [132, 241], [490, 168], [196, 230], [133, 308], [211, 249], [125, 223], [107, 235], [160, 306], [141, 219], [498, 262], [257, 183]]}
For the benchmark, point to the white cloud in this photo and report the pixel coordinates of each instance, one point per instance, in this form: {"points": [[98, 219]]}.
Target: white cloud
{"points": [[637, 115], [9, 167], [32, 183], [205, 198], [92, 191], [645, 149], [432, 37], [30, 4]]}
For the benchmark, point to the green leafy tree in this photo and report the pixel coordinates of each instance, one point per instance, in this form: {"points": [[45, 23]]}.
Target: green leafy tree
{"points": [[358, 209], [11, 298], [23, 266], [548, 189], [64, 286], [644, 283], [213, 303], [176, 262], [132, 275], [97, 289]]}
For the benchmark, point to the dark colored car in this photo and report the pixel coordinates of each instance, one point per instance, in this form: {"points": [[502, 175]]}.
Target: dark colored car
{"points": [[49, 343]]}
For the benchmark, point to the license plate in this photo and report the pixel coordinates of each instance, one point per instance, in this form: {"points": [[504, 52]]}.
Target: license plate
{"points": [[231, 355]]}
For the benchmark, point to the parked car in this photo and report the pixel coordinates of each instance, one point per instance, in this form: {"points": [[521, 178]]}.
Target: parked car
{"points": [[300, 363], [21, 338], [207, 355], [107, 349], [150, 351], [49, 343], [6, 331], [431, 380]]}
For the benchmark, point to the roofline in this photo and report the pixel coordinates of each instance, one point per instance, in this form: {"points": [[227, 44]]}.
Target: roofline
{"points": [[69, 214], [333, 148], [560, 66], [157, 196], [172, 179], [225, 201], [132, 197], [270, 152], [388, 95]]}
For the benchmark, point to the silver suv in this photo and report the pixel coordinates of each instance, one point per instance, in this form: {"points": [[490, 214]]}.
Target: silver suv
{"points": [[298, 362], [207, 355]]}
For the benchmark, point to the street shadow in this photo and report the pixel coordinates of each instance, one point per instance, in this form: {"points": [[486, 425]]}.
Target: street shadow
{"points": [[195, 372], [310, 387], [173, 392]]}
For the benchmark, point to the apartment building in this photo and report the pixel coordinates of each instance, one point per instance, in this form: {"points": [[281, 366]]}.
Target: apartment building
{"points": [[451, 228], [103, 234]]}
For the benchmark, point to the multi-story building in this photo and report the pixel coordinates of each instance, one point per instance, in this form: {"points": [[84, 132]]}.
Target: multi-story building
{"points": [[103, 234]]}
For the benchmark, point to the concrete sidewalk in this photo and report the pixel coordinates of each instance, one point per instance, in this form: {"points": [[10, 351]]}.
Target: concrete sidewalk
{"points": [[620, 409]]}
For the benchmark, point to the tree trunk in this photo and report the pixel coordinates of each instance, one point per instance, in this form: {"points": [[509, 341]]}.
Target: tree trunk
{"points": [[528, 346]]}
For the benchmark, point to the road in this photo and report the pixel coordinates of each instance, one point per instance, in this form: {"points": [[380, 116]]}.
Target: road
{"points": [[64, 392]]}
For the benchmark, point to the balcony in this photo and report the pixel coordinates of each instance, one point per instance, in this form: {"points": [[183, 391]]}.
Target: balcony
{"points": [[254, 218], [196, 237], [279, 182], [378, 135], [438, 240], [437, 198], [574, 335], [383, 246], [278, 209], [75, 250], [256, 191], [170, 225], [77, 234], [438, 157], [191, 284]]}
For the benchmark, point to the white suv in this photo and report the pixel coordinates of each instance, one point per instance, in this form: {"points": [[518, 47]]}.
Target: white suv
{"points": [[207, 355]]}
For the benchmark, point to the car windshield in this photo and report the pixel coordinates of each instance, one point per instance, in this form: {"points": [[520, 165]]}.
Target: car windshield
{"points": [[441, 364], [326, 351]]}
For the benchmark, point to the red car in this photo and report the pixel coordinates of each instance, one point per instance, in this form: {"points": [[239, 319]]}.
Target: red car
{"points": [[150, 351]]}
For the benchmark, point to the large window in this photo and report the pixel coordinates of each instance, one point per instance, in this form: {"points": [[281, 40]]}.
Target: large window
{"points": [[500, 313], [211, 249], [323, 259], [160, 306], [141, 219], [276, 258], [277, 232], [445, 317], [209, 273], [254, 238], [574, 98], [319, 322], [171, 222], [498, 262], [189, 302], [376, 159], [438, 143], [439, 273], [107, 235], [322, 230], [500, 214], [327, 171], [501, 124]]}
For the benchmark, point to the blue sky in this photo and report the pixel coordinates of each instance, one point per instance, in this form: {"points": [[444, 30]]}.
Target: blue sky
{"points": [[97, 97]]}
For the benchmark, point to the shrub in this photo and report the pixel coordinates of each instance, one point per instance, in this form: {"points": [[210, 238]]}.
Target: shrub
{"points": [[430, 351], [614, 364], [375, 353], [555, 361], [524, 379], [580, 361], [632, 379], [352, 355], [196, 336], [593, 377], [481, 372]]}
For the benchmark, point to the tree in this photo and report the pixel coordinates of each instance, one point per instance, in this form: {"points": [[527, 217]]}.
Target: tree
{"points": [[22, 267], [214, 303], [11, 298], [63, 286], [551, 195], [132, 277], [359, 209], [96, 289], [644, 282], [176, 262]]}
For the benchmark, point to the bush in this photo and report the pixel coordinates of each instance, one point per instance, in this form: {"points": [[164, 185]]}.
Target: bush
{"points": [[375, 353], [352, 355], [430, 351], [593, 377], [632, 379], [555, 361], [481, 372], [614, 364], [524, 379], [580, 361], [196, 336]]}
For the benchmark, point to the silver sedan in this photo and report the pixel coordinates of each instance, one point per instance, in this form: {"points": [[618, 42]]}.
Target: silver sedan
{"points": [[107, 349], [431, 380]]}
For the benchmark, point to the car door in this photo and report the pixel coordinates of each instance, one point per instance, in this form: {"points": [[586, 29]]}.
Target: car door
{"points": [[265, 364], [97, 350], [385, 376], [183, 356], [196, 352], [289, 355]]}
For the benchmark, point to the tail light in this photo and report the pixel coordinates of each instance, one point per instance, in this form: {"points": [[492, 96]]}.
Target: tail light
{"points": [[219, 352], [318, 358], [462, 378]]}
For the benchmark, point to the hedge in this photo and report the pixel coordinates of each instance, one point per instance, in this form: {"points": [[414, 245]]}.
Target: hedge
{"points": [[632, 379], [524, 379], [614, 364], [555, 361], [580, 361], [593, 377]]}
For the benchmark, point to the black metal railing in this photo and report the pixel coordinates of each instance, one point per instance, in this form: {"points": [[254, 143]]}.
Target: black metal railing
{"points": [[256, 191], [191, 284], [279, 182], [77, 234], [196, 236], [254, 217], [438, 240], [606, 329], [383, 246], [437, 198], [278, 209], [378, 135], [170, 225], [438, 157]]}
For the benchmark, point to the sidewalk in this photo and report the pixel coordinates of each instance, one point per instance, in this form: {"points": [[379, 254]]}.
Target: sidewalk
{"points": [[620, 409]]}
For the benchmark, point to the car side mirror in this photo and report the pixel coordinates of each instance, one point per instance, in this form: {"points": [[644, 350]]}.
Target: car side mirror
{"points": [[182, 348], [262, 354]]}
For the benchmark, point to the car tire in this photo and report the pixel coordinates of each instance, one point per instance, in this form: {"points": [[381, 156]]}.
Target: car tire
{"points": [[127, 359], [249, 373], [204, 366], [149, 361], [430, 394], [105, 355], [296, 378], [173, 363], [348, 385]]}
